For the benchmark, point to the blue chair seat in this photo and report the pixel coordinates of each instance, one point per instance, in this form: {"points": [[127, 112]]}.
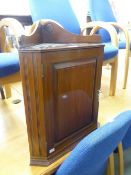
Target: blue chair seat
{"points": [[9, 64], [122, 44], [127, 139], [110, 51], [90, 156]]}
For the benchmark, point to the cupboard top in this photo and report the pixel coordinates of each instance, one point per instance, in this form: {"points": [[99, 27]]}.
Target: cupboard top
{"points": [[58, 46]]}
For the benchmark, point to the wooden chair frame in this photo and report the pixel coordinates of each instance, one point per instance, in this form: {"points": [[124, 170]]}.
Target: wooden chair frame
{"points": [[113, 61]]}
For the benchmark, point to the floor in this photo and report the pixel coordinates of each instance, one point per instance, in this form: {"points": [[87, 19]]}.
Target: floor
{"points": [[14, 151]]}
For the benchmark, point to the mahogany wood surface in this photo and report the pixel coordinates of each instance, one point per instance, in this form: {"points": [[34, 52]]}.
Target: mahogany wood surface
{"points": [[61, 85], [50, 32]]}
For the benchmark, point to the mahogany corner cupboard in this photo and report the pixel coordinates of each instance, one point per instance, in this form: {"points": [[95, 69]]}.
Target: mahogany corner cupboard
{"points": [[61, 85]]}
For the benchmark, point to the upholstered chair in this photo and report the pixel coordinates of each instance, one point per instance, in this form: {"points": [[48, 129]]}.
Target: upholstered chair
{"points": [[9, 58], [90, 156], [103, 12], [110, 50]]}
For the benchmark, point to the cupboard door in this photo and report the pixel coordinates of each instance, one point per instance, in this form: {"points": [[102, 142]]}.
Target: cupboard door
{"points": [[71, 84], [73, 96]]}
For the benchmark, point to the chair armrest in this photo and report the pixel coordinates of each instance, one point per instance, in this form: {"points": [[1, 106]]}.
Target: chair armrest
{"points": [[98, 25], [15, 26], [124, 29]]}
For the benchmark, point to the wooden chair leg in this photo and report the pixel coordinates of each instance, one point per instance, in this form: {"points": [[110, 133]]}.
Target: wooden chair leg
{"points": [[113, 77], [2, 93], [110, 168], [7, 91], [126, 69], [127, 50], [121, 159]]}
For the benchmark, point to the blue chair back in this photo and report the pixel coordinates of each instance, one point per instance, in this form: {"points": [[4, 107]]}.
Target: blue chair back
{"points": [[90, 156], [68, 13], [101, 11]]}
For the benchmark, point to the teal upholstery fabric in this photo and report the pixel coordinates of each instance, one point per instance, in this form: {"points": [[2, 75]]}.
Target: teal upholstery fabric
{"points": [[90, 156]]}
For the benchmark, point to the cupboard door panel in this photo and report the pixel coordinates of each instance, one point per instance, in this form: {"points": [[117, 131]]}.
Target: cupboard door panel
{"points": [[73, 96]]}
